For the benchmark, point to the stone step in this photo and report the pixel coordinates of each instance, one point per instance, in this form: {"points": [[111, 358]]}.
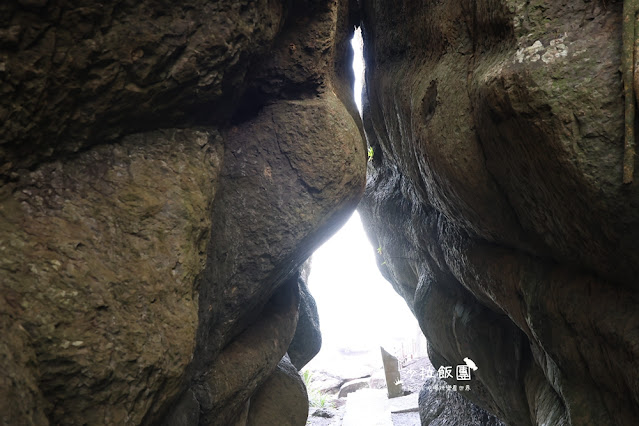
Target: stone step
{"points": [[404, 404], [368, 407]]}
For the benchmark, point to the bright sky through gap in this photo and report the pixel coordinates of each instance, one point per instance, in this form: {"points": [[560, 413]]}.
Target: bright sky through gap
{"points": [[358, 308], [358, 67]]}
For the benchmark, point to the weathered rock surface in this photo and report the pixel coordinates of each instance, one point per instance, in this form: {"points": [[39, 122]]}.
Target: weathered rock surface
{"points": [[352, 386], [77, 74], [99, 260], [496, 195], [307, 340], [280, 400], [166, 169], [327, 383], [326, 413], [441, 407], [391, 373]]}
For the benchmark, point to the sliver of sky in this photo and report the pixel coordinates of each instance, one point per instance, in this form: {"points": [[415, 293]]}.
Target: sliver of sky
{"points": [[358, 308], [358, 67]]}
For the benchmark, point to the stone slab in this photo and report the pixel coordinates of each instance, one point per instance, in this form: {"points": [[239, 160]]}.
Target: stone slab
{"points": [[391, 370], [367, 407], [404, 404]]}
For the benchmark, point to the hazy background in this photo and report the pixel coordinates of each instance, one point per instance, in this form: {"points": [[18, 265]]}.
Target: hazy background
{"points": [[358, 308]]}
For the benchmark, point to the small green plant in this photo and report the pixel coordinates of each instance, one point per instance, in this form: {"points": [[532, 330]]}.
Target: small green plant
{"points": [[316, 398], [370, 153], [321, 401], [379, 250], [307, 375]]}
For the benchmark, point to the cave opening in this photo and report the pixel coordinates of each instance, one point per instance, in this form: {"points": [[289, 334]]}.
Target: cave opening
{"points": [[358, 309]]}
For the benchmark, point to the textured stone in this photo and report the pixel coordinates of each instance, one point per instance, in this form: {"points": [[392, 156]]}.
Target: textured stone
{"points": [[79, 74], [352, 386], [307, 340], [99, 257], [271, 166], [391, 373], [327, 383], [439, 407], [280, 400], [164, 169], [496, 194], [326, 413]]}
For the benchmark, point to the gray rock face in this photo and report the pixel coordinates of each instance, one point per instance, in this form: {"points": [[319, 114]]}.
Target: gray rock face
{"points": [[280, 400], [391, 373], [326, 413], [98, 286], [496, 195], [326, 383], [307, 340], [164, 171], [448, 408], [78, 74], [352, 386]]}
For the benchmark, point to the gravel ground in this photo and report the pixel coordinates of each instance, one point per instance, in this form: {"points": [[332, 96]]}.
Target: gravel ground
{"points": [[336, 419]]}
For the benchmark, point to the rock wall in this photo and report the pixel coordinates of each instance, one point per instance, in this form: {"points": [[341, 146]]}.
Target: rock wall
{"points": [[165, 170], [441, 407], [495, 192]]}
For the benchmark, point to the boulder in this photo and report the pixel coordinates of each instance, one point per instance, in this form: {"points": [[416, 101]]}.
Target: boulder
{"points": [[327, 383], [496, 193], [99, 284], [441, 407], [96, 73], [391, 373], [164, 171], [352, 386], [280, 400], [323, 412], [307, 340]]}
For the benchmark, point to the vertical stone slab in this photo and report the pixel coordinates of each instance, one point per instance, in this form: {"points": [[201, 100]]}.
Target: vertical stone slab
{"points": [[391, 371]]}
